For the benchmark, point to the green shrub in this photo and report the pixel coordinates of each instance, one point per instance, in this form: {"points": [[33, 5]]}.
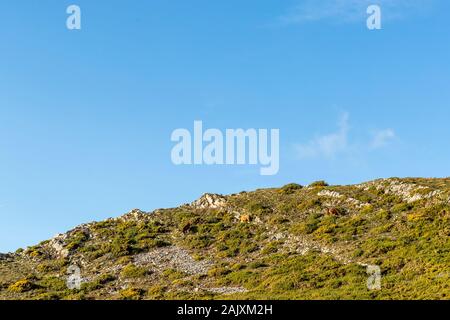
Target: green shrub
{"points": [[52, 265], [132, 294], [320, 183], [87, 287], [173, 274], [257, 265], [133, 271], [156, 292], [259, 208], [401, 207], [384, 214], [271, 247], [53, 284], [218, 272], [23, 285], [105, 278], [367, 209], [123, 247], [308, 226], [358, 253], [199, 241], [309, 204], [48, 296], [278, 220], [34, 253], [290, 188], [240, 278], [77, 240]]}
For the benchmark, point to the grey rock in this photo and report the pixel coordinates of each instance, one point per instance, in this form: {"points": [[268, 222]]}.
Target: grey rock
{"points": [[210, 201]]}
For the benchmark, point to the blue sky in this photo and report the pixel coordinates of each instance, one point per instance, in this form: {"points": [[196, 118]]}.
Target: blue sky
{"points": [[86, 116]]}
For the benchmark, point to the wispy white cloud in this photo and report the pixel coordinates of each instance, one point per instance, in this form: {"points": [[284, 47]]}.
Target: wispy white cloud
{"points": [[352, 10], [327, 145], [382, 138], [339, 142]]}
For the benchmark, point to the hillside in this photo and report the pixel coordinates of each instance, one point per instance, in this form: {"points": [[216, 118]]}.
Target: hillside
{"points": [[294, 242]]}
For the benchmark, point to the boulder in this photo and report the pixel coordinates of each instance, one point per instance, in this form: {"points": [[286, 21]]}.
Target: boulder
{"points": [[210, 201]]}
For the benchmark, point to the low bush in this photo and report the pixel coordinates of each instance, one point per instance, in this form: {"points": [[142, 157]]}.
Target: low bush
{"points": [[132, 294], [290, 188], [320, 183], [133, 271], [23, 285]]}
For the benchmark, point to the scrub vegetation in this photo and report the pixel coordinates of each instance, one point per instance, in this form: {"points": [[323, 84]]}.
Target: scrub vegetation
{"points": [[293, 242]]}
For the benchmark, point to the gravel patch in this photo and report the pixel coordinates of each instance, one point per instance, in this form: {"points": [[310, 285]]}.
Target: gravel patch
{"points": [[173, 258]]}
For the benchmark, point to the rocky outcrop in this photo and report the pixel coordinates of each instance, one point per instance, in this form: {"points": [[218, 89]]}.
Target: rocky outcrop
{"points": [[57, 246], [4, 256], [210, 201], [409, 192], [341, 198], [134, 215]]}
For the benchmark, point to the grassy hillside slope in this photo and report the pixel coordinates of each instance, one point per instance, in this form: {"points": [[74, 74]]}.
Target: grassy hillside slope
{"points": [[293, 242]]}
